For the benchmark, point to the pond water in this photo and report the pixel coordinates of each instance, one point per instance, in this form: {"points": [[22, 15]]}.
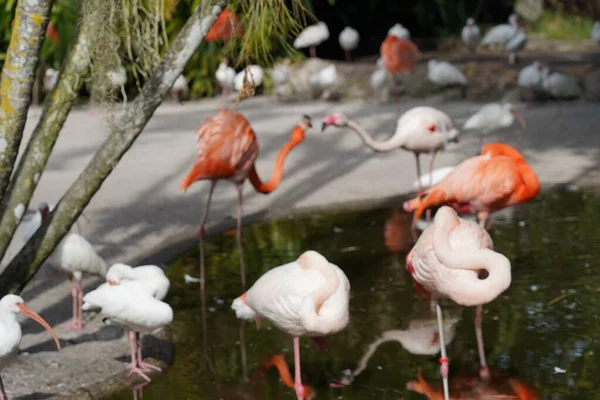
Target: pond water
{"points": [[544, 330]]}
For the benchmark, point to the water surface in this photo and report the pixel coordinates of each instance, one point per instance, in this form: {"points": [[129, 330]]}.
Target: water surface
{"points": [[546, 323]]}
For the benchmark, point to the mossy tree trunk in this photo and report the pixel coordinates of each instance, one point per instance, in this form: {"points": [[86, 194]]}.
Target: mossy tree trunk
{"points": [[123, 132]]}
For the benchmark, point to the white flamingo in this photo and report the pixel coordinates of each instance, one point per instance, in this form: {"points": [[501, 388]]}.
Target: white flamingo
{"points": [[225, 77], [419, 130], [132, 306], [75, 256], [307, 297], [348, 40], [501, 34], [596, 32], [399, 31], [470, 34], [443, 73], [311, 37], [255, 77], [10, 330], [492, 117]]}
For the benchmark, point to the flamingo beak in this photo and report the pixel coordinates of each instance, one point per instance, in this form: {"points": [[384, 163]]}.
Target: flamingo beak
{"points": [[324, 126], [34, 316], [518, 117], [308, 121]]}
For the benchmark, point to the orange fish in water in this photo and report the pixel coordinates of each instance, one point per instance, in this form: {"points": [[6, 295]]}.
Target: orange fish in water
{"points": [[498, 178], [225, 27], [399, 55], [472, 387]]}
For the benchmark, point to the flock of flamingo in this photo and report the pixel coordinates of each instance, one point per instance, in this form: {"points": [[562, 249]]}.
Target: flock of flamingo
{"points": [[453, 258]]}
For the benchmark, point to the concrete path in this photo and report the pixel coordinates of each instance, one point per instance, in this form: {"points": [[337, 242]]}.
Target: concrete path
{"points": [[139, 209]]}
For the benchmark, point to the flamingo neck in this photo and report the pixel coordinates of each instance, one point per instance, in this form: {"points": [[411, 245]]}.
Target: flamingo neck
{"points": [[367, 138], [312, 303], [268, 187], [531, 185]]}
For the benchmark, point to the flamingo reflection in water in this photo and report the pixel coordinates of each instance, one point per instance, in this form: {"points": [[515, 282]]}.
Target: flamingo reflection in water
{"points": [[472, 386]]}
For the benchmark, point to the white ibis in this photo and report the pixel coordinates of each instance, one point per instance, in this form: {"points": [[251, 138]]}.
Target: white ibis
{"points": [[515, 44], [501, 34], [348, 40], [10, 330], [530, 77], [280, 73], [491, 117], [596, 32], [75, 256], [559, 85], [378, 77], [151, 275], [471, 34], [225, 77], [399, 31], [254, 76], [131, 305], [311, 37], [179, 87], [443, 73], [324, 79]]}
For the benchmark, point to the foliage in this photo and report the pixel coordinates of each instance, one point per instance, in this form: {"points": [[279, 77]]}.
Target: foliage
{"points": [[558, 24]]}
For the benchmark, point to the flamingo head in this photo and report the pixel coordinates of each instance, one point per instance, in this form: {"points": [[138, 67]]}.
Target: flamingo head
{"points": [[338, 120], [305, 122]]}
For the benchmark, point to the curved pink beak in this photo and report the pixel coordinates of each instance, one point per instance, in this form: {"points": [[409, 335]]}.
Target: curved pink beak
{"points": [[518, 117], [34, 316]]}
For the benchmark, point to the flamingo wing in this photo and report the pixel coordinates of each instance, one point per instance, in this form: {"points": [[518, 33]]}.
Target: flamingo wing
{"points": [[225, 27], [399, 55]]}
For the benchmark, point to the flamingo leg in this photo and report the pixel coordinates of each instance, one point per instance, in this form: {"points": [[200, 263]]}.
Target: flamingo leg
{"points": [[146, 367], [3, 395], [484, 372], [313, 52], [419, 173], [298, 381], [348, 58], [428, 212], [134, 366], [213, 183], [444, 357], [240, 188]]}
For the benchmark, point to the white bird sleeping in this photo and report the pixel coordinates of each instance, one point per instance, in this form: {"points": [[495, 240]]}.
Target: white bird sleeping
{"points": [[491, 117], [255, 77], [150, 275], [132, 306], [470, 34], [531, 76], [348, 40], [324, 79], [501, 34], [399, 31], [75, 256], [311, 37], [515, 44], [443, 73], [10, 331], [307, 297], [225, 77], [559, 85], [596, 32]]}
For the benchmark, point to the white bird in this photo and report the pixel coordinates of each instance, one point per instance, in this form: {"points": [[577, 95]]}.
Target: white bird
{"points": [[131, 305], [50, 79], [531, 76], [255, 77], [501, 34], [280, 73], [515, 44], [431, 179], [348, 40], [596, 32], [180, 87], [10, 330], [399, 31], [311, 37], [470, 34], [225, 77], [559, 85], [443, 73], [75, 256], [150, 275], [378, 78], [491, 117], [324, 79], [118, 76], [307, 297]]}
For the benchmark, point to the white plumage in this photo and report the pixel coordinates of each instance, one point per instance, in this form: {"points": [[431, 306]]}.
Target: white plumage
{"points": [[255, 77], [349, 39], [312, 35], [491, 117], [515, 44], [501, 34], [117, 77], [470, 34], [325, 78], [424, 130], [559, 85], [444, 74], [50, 79], [436, 176], [180, 84], [596, 32], [150, 275], [225, 76], [378, 78], [280, 74], [399, 31], [531, 76]]}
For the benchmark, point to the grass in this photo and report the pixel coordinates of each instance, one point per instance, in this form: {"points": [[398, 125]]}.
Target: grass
{"points": [[560, 25]]}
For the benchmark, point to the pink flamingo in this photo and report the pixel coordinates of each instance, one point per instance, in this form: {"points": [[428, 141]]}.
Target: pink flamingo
{"points": [[307, 297], [448, 261]]}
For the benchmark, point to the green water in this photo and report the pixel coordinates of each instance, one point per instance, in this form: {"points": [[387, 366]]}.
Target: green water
{"points": [[548, 318]]}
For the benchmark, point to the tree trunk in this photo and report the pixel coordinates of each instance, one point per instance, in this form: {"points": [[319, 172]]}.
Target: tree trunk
{"points": [[18, 75], [122, 135], [56, 108]]}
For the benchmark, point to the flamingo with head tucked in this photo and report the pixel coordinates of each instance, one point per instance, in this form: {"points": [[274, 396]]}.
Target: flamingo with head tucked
{"points": [[448, 261], [226, 150]]}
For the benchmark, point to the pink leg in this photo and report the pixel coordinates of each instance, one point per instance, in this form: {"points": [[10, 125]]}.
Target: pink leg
{"points": [[348, 58], [202, 232], [484, 372], [298, 381], [444, 367], [80, 305], [134, 366], [240, 188], [72, 324], [313, 52], [419, 173], [143, 365]]}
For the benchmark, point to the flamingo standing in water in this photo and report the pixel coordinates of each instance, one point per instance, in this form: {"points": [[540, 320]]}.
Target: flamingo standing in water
{"points": [[420, 130], [447, 261], [307, 297], [10, 330], [227, 150], [226, 27]]}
